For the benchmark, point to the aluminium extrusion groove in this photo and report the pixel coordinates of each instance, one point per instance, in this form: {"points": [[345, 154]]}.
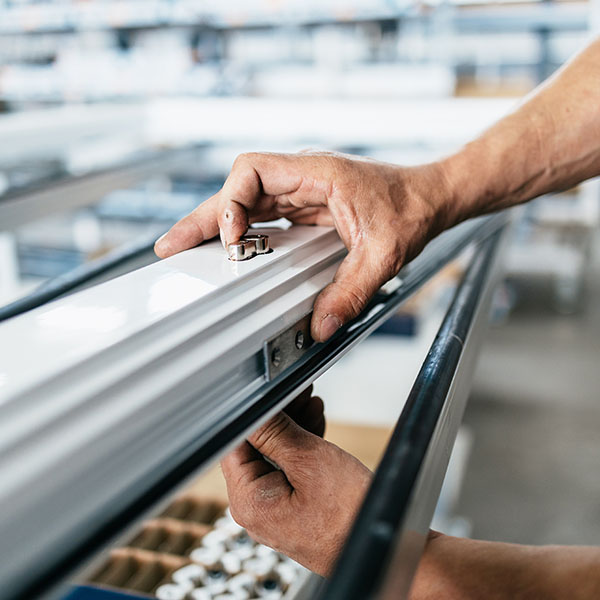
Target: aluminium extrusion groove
{"points": [[153, 451]]}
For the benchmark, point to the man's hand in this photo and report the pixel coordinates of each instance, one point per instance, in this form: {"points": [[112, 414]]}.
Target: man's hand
{"points": [[306, 509], [384, 214]]}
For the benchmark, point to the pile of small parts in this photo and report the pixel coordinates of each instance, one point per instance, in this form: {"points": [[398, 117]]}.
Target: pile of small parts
{"points": [[229, 565]]}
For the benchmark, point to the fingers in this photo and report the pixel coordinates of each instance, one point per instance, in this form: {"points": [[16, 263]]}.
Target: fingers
{"points": [[279, 440], [250, 478], [253, 177], [359, 276], [287, 445], [233, 222], [244, 465], [283, 443], [225, 213], [255, 180], [307, 411], [240, 194], [200, 225]]}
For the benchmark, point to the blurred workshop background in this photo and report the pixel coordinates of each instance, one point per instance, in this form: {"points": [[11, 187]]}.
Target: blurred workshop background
{"points": [[117, 117]]}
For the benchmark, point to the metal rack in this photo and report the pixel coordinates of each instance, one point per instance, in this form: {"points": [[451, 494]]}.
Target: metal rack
{"points": [[98, 446], [42, 29]]}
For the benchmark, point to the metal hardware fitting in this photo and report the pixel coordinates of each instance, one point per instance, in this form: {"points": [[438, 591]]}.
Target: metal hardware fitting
{"points": [[286, 348], [249, 246]]}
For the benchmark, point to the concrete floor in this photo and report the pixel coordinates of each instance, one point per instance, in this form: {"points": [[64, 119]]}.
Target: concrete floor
{"points": [[534, 471]]}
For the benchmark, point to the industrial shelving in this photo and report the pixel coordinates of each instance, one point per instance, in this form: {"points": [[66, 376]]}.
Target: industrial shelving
{"points": [[102, 14]]}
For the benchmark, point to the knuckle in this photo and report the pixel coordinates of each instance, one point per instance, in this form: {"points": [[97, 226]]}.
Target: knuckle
{"points": [[248, 158], [239, 512], [345, 165], [349, 183], [267, 436], [390, 263], [262, 507], [242, 160], [247, 512]]}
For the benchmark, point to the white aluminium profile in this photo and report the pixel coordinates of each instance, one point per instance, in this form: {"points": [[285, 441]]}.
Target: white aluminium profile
{"points": [[97, 387]]}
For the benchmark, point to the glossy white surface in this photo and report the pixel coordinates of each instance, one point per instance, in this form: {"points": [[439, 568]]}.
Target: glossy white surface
{"points": [[105, 388], [53, 338]]}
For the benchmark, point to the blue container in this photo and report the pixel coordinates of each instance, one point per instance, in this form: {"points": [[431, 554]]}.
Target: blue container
{"points": [[94, 593]]}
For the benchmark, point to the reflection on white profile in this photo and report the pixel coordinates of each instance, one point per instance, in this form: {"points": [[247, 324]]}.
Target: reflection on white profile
{"points": [[3, 379], [175, 291], [96, 319]]}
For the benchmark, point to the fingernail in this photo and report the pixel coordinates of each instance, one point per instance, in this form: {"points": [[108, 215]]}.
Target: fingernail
{"points": [[329, 325], [222, 236], [160, 243]]}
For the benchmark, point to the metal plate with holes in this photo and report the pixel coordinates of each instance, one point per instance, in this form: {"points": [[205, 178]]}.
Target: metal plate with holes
{"points": [[285, 349]]}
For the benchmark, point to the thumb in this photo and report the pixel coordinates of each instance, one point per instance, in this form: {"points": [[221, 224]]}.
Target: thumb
{"points": [[359, 276], [284, 443]]}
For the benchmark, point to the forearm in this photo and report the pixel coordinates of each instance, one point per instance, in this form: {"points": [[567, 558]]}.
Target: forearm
{"points": [[551, 142], [455, 568]]}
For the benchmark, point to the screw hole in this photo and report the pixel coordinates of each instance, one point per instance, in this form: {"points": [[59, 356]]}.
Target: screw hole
{"points": [[276, 357]]}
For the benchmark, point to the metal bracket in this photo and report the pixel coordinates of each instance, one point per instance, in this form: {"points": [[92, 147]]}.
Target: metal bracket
{"points": [[248, 247], [287, 347]]}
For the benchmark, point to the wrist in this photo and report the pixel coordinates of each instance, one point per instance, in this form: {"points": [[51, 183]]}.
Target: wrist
{"points": [[461, 187], [431, 191]]}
